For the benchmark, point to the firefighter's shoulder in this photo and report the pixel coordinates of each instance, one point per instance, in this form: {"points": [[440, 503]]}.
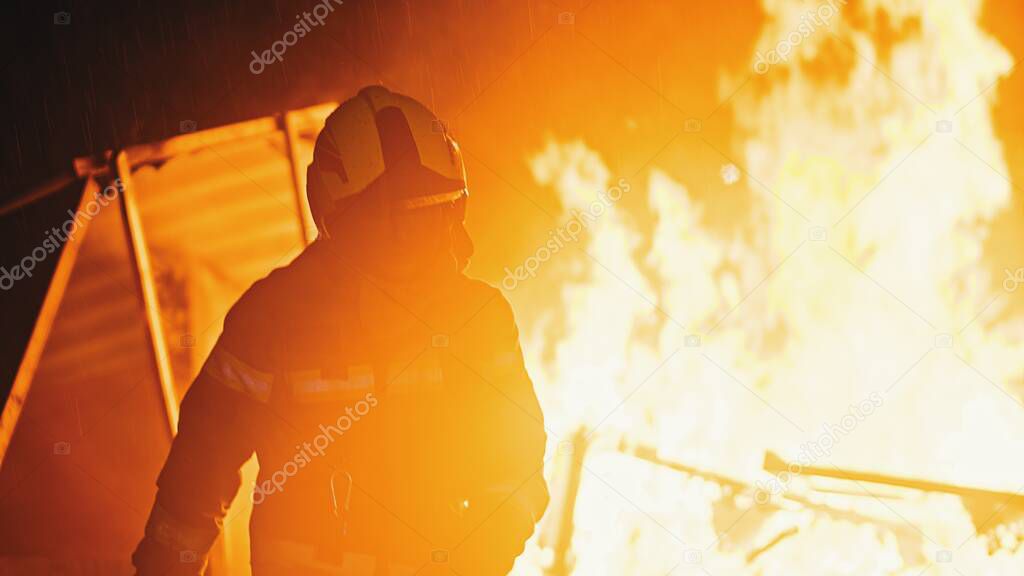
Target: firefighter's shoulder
{"points": [[249, 351], [269, 310], [487, 343], [484, 308]]}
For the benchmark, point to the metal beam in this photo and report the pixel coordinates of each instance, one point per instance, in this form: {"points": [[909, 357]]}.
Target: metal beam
{"points": [[563, 562], [308, 117], [41, 330], [147, 289], [776, 465], [163, 150], [51, 186]]}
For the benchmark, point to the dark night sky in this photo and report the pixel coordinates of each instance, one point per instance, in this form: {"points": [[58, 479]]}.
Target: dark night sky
{"points": [[128, 72]]}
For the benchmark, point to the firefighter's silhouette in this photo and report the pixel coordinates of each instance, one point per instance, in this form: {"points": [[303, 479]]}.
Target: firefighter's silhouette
{"points": [[382, 391]]}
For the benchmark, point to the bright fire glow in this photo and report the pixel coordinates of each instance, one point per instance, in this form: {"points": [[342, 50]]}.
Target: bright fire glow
{"points": [[864, 274]]}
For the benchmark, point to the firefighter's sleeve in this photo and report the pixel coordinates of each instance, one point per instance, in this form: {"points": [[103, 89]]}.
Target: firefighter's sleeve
{"points": [[201, 475], [508, 458], [513, 423], [525, 437]]}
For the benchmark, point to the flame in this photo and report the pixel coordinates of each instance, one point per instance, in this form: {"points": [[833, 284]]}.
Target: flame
{"points": [[875, 173]]}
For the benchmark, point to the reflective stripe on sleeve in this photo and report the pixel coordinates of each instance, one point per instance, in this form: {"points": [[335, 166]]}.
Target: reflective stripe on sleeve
{"points": [[166, 530], [229, 370]]}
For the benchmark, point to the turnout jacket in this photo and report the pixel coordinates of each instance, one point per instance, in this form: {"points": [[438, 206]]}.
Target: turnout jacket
{"points": [[404, 428]]}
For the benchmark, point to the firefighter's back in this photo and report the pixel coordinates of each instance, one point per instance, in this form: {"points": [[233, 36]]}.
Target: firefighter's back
{"points": [[370, 434]]}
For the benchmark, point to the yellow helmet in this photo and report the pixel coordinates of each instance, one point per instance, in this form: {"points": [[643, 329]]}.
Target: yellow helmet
{"points": [[379, 136]]}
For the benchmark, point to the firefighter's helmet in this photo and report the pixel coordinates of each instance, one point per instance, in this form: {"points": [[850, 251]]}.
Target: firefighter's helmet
{"points": [[388, 143]]}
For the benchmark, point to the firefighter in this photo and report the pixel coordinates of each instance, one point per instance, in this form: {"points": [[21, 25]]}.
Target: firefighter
{"points": [[382, 390]]}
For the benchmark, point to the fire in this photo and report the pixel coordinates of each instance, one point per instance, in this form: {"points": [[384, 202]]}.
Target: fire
{"points": [[876, 175]]}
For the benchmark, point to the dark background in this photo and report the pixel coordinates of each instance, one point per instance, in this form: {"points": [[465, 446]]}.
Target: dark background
{"points": [[129, 72], [122, 73]]}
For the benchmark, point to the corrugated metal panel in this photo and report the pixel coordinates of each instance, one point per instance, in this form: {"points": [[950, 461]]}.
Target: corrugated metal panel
{"points": [[215, 220], [231, 206], [219, 219], [94, 397]]}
